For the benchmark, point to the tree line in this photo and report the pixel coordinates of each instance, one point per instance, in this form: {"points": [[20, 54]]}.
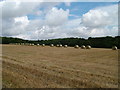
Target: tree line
{"points": [[97, 42]]}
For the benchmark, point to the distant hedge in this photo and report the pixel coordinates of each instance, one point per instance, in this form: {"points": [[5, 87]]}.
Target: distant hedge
{"points": [[97, 42]]}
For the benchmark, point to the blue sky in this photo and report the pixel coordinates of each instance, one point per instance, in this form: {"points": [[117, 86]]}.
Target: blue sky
{"points": [[80, 8], [76, 8]]}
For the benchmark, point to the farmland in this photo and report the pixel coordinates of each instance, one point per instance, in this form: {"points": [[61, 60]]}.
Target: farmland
{"points": [[58, 67]]}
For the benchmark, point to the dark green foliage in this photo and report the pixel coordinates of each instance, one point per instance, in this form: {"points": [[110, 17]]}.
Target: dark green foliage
{"points": [[8, 40], [105, 42], [97, 42]]}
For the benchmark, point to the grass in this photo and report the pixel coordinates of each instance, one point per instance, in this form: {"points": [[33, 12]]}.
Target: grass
{"points": [[54, 67]]}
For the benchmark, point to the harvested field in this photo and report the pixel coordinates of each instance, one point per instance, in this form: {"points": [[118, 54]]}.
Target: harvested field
{"points": [[54, 67]]}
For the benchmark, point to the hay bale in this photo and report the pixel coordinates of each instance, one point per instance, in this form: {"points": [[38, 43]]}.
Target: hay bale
{"points": [[65, 46], [43, 45], [52, 45], [32, 44], [76, 46], [114, 48], [57, 45], [88, 47], [83, 47], [38, 44], [60, 45], [22, 44]]}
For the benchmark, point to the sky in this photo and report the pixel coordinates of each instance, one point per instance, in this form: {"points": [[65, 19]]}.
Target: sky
{"points": [[49, 20]]}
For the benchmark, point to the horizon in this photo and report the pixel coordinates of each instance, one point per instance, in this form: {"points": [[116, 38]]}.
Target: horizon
{"points": [[60, 38], [39, 21]]}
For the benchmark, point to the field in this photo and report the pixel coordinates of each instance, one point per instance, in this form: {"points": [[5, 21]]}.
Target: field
{"points": [[56, 67]]}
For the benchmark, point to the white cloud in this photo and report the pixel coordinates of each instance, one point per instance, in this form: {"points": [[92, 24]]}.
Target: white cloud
{"points": [[96, 18], [22, 20], [72, 23], [101, 17], [14, 26], [56, 17], [14, 16], [100, 21], [55, 23], [17, 9]]}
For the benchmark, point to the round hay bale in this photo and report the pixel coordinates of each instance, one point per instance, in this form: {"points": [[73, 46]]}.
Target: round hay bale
{"points": [[60, 45], [88, 47], [38, 44], [52, 45], [76, 46], [43, 45], [22, 43], [57, 45], [65, 46], [32, 44], [83, 47], [114, 48]]}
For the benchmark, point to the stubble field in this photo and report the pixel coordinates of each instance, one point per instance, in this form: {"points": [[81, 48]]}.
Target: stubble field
{"points": [[55, 67]]}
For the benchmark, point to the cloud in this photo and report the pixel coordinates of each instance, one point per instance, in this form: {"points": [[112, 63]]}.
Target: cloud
{"points": [[96, 18], [14, 16], [101, 21], [55, 22], [56, 16], [14, 26], [100, 17], [21, 20], [17, 9]]}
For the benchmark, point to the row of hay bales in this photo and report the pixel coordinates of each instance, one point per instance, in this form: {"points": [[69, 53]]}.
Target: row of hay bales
{"points": [[83, 47], [30, 44], [60, 45], [77, 46]]}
